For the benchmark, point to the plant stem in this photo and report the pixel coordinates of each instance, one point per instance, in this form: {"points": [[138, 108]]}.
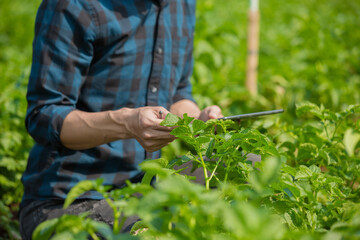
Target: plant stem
{"points": [[226, 173], [207, 180], [326, 130], [93, 235], [122, 222], [213, 172], [116, 228]]}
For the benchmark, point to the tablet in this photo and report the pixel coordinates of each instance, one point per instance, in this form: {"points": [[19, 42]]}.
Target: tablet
{"points": [[252, 115]]}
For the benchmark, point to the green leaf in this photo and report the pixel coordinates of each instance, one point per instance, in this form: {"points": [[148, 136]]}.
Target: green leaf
{"points": [[210, 148], [351, 139], [154, 168], [303, 172], [295, 191], [330, 157], [45, 229], [271, 168], [335, 190], [198, 126], [287, 169], [315, 169], [79, 189], [71, 236], [308, 107], [307, 151], [202, 139], [149, 174], [102, 228], [182, 131], [330, 179], [138, 227], [170, 120], [290, 222], [185, 121]]}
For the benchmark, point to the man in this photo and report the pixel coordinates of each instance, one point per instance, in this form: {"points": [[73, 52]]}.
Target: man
{"points": [[104, 73]]}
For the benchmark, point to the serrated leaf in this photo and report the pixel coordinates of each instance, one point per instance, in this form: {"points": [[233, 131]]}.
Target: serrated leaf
{"points": [[351, 139], [303, 173], [198, 126], [311, 217], [186, 120], [335, 190], [170, 120], [287, 169], [295, 191], [138, 227], [315, 169], [181, 131], [330, 179], [330, 157], [210, 148], [202, 139], [211, 122], [307, 151], [308, 107], [290, 222]]}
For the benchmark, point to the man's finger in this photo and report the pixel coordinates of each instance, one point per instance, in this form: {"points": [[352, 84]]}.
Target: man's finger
{"points": [[214, 112], [154, 134], [162, 112]]}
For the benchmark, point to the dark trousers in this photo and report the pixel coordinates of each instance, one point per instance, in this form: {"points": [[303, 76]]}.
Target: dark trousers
{"points": [[39, 211]]}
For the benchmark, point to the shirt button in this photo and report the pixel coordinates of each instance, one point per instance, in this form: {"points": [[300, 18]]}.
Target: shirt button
{"points": [[153, 89], [159, 50]]}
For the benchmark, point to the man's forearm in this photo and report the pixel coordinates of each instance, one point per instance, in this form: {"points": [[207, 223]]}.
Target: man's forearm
{"points": [[83, 130], [185, 106]]}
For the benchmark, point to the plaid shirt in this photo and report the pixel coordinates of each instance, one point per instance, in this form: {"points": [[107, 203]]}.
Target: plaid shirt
{"points": [[98, 55]]}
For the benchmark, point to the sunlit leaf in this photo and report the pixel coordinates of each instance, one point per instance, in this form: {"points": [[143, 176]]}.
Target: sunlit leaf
{"points": [[170, 120], [351, 139]]}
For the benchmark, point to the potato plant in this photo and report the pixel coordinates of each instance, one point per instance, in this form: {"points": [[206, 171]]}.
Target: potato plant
{"points": [[309, 51], [307, 184]]}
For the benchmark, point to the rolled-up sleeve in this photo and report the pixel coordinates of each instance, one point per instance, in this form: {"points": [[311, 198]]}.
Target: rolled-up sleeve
{"points": [[62, 53]]}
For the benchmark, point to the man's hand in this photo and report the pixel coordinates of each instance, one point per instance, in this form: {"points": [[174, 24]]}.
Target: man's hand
{"points": [[189, 107], [211, 112], [144, 125]]}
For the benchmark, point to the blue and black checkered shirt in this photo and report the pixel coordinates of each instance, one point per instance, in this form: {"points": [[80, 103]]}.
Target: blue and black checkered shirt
{"points": [[98, 55]]}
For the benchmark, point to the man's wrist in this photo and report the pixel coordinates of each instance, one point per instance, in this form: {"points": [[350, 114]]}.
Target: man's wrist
{"points": [[121, 119]]}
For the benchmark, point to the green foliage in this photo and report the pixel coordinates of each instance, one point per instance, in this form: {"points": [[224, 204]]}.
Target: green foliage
{"points": [[308, 52], [72, 227], [16, 33], [309, 175], [293, 193]]}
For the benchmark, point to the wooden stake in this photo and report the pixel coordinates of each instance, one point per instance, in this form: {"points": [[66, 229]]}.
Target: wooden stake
{"points": [[253, 47]]}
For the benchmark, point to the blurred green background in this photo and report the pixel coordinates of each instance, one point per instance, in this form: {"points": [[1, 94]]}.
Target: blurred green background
{"points": [[309, 51]]}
